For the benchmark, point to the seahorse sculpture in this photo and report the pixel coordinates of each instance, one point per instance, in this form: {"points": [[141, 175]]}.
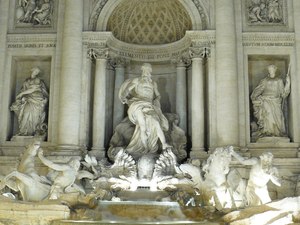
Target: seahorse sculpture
{"points": [[32, 186]]}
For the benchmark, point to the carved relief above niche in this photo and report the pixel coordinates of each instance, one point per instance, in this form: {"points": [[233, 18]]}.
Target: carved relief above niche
{"points": [[34, 14], [269, 98], [30, 97], [267, 16], [266, 12]]}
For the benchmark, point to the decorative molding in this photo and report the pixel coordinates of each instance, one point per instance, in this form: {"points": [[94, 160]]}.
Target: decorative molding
{"points": [[148, 53], [31, 41], [117, 61], [183, 60], [96, 39], [97, 8], [268, 39], [98, 53], [196, 52], [203, 15], [202, 38]]}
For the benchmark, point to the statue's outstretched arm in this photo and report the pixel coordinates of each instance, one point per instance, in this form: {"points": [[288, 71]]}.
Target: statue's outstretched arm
{"points": [[51, 164], [242, 160]]}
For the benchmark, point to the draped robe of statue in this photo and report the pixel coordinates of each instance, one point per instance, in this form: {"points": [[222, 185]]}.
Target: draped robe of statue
{"points": [[142, 97], [267, 100], [30, 107]]}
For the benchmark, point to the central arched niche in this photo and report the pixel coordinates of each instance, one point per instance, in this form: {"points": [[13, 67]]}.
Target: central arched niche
{"points": [[149, 22], [199, 12]]}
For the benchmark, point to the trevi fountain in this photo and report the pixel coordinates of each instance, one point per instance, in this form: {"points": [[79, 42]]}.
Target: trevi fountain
{"points": [[149, 112]]}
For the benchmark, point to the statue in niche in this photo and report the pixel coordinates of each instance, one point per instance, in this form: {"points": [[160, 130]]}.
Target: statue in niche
{"points": [[261, 173], [265, 11], [25, 178], [30, 106], [36, 12], [143, 99], [267, 99]]}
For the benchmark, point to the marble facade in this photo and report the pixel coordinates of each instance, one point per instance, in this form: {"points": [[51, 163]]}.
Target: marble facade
{"points": [[206, 67]]}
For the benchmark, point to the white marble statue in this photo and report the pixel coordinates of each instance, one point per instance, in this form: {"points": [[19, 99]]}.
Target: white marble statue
{"points": [[124, 131], [215, 189], [65, 176], [30, 106], [261, 173], [25, 179], [142, 96], [267, 99]]}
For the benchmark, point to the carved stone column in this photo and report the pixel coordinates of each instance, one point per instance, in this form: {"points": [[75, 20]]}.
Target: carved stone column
{"points": [[198, 99], [70, 77], [4, 104], [99, 103], [226, 75], [118, 115], [181, 92], [296, 5]]}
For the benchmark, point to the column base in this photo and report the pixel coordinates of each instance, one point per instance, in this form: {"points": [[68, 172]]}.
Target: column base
{"points": [[99, 153], [68, 150], [198, 153]]}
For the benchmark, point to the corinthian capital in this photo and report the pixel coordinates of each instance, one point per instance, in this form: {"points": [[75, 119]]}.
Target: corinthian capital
{"points": [[196, 52], [118, 62], [182, 60], [102, 53]]}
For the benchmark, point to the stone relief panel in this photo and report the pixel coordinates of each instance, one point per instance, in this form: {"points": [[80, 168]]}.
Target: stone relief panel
{"points": [[30, 97], [34, 13], [266, 12], [269, 89]]}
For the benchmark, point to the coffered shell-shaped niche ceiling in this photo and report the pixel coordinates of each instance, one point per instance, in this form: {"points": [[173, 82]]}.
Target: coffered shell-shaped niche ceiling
{"points": [[149, 22]]}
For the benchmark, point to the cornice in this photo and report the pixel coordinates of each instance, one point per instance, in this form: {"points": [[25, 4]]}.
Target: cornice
{"points": [[25, 38], [268, 39]]}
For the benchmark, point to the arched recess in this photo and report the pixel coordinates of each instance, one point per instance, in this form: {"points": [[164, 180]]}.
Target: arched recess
{"points": [[103, 9]]}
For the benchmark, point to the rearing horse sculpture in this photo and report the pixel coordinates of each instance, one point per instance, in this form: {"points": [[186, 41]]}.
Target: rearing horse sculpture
{"points": [[32, 186]]}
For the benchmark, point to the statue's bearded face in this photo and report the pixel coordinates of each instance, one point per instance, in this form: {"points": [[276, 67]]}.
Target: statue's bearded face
{"points": [[272, 71], [147, 70]]}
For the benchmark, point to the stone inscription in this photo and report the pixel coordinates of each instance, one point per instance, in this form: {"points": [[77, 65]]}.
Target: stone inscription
{"points": [[268, 44], [31, 45], [148, 56]]}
